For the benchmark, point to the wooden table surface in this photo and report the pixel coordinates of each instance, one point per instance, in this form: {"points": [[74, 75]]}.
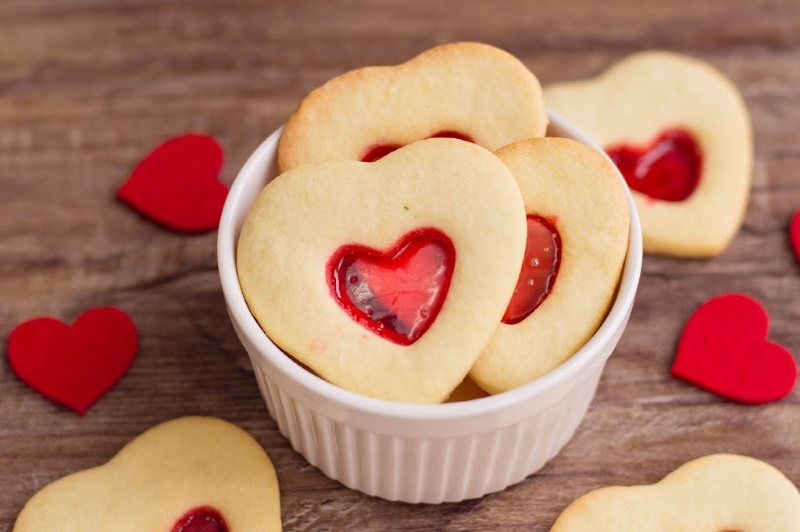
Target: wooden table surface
{"points": [[87, 87]]}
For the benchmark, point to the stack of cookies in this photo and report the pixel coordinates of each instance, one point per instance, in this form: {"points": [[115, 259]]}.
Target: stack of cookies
{"points": [[423, 229]]}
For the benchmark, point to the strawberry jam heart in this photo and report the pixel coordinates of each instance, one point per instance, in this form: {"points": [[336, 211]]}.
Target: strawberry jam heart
{"points": [[379, 151], [539, 270], [396, 294], [723, 350], [202, 519], [668, 169]]}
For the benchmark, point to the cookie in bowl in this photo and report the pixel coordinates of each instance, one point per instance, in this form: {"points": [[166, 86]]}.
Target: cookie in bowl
{"points": [[578, 225], [387, 278], [467, 90]]}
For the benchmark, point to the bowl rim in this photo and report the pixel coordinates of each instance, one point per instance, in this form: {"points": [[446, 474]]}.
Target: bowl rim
{"points": [[290, 370]]}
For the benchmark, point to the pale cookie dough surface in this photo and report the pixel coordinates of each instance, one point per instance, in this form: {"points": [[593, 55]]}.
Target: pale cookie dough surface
{"points": [[715, 493], [576, 187], [638, 98], [301, 218], [472, 88], [155, 479]]}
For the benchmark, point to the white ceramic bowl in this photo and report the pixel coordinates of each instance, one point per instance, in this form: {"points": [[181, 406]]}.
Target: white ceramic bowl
{"points": [[408, 452]]}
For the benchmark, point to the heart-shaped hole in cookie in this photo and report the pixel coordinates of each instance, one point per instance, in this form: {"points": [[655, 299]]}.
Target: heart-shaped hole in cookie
{"points": [[201, 519], [379, 151], [667, 169], [397, 293], [539, 270]]}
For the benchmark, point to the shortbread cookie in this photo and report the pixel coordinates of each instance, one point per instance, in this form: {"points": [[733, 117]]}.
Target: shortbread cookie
{"points": [[192, 473], [721, 492], [386, 278], [467, 90], [680, 133], [578, 225]]}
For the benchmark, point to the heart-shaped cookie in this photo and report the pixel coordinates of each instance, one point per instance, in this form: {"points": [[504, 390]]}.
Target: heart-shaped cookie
{"points": [[723, 349], [193, 474], [680, 133], [74, 365], [716, 493], [578, 227], [386, 278], [470, 91], [176, 184]]}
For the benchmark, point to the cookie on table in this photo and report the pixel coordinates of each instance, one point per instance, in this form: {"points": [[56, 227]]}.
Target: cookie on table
{"points": [[681, 135], [466, 90], [386, 278], [720, 492], [578, 226], [191, 473]]}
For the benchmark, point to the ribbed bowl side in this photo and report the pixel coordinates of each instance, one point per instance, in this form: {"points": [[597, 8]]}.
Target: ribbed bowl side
{"points": [[427, 470]]}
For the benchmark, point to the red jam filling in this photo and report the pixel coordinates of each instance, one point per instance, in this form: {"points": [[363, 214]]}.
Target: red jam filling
{"points": [[667, 169], [539, 270], [397, 293], [379, 151], [201, 519]]}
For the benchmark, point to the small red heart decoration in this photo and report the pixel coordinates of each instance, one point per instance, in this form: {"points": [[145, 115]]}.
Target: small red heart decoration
{"points": [[667, 169], [723, 350], [202, 519], [176, 185], [398, 293], [794, 231], [74, 365]]}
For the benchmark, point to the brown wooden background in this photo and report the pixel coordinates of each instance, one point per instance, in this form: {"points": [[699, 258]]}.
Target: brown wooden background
{"points": [[87, 87]]}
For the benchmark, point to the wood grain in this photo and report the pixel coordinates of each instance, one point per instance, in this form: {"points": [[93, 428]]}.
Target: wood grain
{"points": [[88, 86]]}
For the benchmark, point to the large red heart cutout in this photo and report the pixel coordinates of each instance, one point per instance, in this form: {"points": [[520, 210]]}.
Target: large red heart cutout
{"points": [[794, 232], [397, 293], [176, 185], [74, 365], [723, 350], [667, 169]]}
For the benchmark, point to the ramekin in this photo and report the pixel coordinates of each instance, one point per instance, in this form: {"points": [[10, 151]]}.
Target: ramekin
{"points": [[419, 453]]}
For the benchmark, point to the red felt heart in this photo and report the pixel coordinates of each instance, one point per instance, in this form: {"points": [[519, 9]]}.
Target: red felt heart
{"points": [[177, 186], [667, 169], [396, 293], [202, 519], [794, 231], [724, 351], [74, 365]]}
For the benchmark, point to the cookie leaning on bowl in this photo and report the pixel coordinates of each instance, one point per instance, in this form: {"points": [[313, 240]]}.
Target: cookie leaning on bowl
{"points": [[578, 225], [386, 278], [467, 90], [680, 133]]}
